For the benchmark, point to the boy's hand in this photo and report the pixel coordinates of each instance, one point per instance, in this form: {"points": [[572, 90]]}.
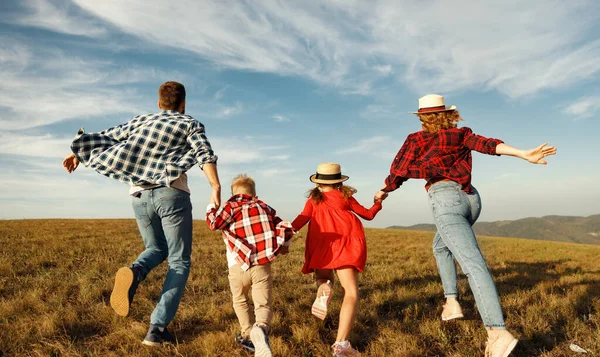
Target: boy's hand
{"points": [[70, 163], [380, 196]]}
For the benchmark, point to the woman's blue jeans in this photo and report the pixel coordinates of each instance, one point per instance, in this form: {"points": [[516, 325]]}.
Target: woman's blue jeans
{"points": [[164, 218], [454, 212]]}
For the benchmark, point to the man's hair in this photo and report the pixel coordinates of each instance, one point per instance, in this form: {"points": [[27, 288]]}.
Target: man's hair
{"points": [[171, 95], [434, 122], [243, 184]]}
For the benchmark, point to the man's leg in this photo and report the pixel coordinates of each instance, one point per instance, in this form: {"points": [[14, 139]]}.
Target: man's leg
{"points": [[175, 209]]}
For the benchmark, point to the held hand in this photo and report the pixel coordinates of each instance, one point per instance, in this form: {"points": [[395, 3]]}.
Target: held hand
{"points": [[284, 250], [70, 163], [380, 196], [215, 197], [536, 155]]}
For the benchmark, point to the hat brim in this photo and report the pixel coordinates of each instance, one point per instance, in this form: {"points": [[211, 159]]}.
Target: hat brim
{"points": [[448, 109], [327, 182]]}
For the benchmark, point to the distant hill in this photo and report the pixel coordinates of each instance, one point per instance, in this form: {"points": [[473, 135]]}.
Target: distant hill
{"points": [[554, 228]]}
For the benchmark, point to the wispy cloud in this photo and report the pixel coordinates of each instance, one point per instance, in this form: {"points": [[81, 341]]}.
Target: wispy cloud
{"points": [[48, 145], [369, 145], [445, 46], [585, 107], [220, 93], [280, 118]]}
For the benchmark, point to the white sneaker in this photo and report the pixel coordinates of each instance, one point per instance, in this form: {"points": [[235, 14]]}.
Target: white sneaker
{"points": [[260, 341], [319, 307], [452, 311], [501, 345]]}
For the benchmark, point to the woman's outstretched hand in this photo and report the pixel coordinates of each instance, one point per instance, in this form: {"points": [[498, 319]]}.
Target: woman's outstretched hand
{"points": [[380, 196], [536, 155]]}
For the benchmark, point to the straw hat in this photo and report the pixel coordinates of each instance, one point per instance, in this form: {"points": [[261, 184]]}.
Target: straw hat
{"points": [[432, 103], [328, 173]]}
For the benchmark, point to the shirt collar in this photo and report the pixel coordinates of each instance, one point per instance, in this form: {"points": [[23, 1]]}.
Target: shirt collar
{"points": [[241, 197], [170, 112]]}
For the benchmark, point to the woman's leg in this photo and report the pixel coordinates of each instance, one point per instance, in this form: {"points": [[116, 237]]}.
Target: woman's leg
{"points": [[349, 281], [446, 267], [451, 209]]}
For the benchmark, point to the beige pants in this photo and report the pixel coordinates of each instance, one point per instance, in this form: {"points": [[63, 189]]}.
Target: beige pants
{"points": [[260, 280]]}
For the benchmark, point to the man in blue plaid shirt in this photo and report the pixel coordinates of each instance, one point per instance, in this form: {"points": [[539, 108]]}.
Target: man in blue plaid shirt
{"points": [[152, 153]]}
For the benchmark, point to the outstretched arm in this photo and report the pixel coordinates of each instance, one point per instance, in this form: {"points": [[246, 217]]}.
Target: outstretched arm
{"points": [[70, 163], [535, 155]]}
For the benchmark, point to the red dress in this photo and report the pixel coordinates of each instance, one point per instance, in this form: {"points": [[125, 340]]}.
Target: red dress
{"points": [[336, 237]]}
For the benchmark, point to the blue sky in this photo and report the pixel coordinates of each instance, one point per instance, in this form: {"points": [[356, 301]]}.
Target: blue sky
{"points": [[284, 85]]}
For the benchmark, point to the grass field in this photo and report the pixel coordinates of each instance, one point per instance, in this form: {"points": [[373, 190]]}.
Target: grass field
{"points": [[56, 277]]}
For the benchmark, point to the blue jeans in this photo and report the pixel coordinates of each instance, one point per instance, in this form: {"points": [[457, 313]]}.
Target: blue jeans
{"points": [[164, 218], [454, 212]]}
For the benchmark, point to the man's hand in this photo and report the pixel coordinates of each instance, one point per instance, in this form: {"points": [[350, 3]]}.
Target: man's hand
{"points": [[215, 197], [380, 196], [536, 155], [70, 163]]}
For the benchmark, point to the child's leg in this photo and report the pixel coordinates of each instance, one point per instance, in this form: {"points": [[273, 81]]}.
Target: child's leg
{"points": [[262, 295], [322, 275], [239, 283], [324, 280], [349, 281]]}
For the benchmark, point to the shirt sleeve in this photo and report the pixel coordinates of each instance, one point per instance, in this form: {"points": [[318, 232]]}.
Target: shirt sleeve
{"points": [[217, 219], [480, 143], [360, 210], [304, 216], [399, 167], [199, 143], [120, 132]]}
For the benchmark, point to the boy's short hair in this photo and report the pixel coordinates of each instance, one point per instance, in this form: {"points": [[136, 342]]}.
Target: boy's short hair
{"points": [[243, 184], [171, 95]]}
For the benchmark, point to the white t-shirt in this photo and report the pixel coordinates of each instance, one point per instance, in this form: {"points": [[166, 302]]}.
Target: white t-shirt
{"points": [[181, 183]]}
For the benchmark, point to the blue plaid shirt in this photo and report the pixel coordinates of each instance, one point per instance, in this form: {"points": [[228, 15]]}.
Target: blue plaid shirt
{"points": [[149, 149]]}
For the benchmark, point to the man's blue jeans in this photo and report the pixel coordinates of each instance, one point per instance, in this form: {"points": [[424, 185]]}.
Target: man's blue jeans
{"points": [[454, 212], [164, 217]]}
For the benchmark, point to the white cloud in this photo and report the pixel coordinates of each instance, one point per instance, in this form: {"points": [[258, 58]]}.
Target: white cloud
{"points": [[280, 118], [63, 17], [585, 107], [220, 93], [446, 46], [47, 146], [369, 145]]}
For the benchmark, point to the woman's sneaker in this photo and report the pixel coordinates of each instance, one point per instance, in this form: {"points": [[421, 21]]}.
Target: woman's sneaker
{"points": [[319, 307], [261, 342], [157, 335], [344, 349], [452, 311], [244, 343], [500, 344]]}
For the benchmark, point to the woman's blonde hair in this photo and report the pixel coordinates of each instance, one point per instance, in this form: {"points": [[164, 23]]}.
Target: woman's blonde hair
{"points": [[317, 196], [434, 122]]}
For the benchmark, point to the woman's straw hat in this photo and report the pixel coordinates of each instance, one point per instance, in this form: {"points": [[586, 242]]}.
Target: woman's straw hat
{"points": [[433, 103], [328, 173]]}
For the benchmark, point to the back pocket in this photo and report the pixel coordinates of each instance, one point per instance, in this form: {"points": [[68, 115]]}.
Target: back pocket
{"points": [[141, 213]]}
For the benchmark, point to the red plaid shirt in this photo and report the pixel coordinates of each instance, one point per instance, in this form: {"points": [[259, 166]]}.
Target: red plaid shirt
{"points": [[443, 155], [251, 229]]}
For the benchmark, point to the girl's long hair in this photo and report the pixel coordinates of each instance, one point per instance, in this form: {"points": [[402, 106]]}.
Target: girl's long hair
{"points": [[317, 196], [434, 122]]}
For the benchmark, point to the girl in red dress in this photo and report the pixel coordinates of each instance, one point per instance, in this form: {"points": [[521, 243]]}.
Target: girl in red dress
{"points": [[335, 241]]}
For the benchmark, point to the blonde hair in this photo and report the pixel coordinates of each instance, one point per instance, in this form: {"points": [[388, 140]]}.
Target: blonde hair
{"points": [[243, 184], [317, 196], [434, 122]]}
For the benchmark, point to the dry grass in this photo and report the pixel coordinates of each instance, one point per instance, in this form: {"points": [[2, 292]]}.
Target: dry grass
{"points": [[56, 277]]}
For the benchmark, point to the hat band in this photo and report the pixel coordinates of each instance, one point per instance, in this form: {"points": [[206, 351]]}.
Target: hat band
{"points": [[337, 176], [431, 109]]}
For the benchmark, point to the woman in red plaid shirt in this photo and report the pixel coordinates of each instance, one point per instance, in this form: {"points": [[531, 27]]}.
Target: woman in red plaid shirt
{"points": [[441, 154]]}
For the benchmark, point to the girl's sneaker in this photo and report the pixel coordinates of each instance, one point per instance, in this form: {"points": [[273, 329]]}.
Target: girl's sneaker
{"points": [[344, 349], [319, 307]]}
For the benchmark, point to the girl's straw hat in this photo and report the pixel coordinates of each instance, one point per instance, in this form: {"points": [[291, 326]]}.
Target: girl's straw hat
{"points": [[432, 103], [328, 173]]}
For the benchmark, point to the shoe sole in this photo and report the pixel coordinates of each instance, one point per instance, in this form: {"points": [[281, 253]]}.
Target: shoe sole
{"points": [[452, 317], [262, 349], [510, 348], [318, 310], [150, 343], [119, 298]]}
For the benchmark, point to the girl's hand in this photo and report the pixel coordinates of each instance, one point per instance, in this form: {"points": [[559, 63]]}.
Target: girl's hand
{"points": [[536, 155], [70, 163], [380, 196]]}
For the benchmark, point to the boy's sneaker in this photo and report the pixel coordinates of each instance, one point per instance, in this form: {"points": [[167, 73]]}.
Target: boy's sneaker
{"points": [[319, 307], [261, 342], [126, 283], [244, 343], [343, 349], [452, 311], [157, 335], [500, 345]]}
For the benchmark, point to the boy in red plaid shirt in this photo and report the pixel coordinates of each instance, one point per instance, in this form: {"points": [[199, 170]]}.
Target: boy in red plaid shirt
{"points": [[254, 236]]}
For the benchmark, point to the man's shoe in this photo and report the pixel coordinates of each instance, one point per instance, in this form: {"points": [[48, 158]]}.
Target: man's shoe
{"points": [[244, 343], [126, 283], [157, 335], [500, 344], [452, 311], [319, 307], [261, 342]]}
